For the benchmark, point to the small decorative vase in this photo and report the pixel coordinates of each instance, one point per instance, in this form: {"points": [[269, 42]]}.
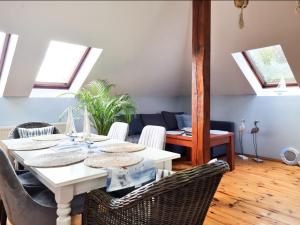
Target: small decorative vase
{"points": [[86, 124], [70, 126]]}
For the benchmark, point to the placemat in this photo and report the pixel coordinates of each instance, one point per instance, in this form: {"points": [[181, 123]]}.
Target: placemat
{"points": [[31, 146], [52, 137], [122, 147], [112, 160], [56, 159]]}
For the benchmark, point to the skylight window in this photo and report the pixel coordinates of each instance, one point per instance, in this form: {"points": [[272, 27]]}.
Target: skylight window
{"points": [[61, 65], [267, 71], [8, 44], [64, 69], [4, 42], [270, 66]]}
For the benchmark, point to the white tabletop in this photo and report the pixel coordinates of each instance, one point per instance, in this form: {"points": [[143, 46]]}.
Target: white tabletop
{"points": [[67, 175]]}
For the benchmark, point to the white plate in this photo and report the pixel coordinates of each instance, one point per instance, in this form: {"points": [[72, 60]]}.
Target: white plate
{"points": [[30, 146], [187, 129], [52, 137]]}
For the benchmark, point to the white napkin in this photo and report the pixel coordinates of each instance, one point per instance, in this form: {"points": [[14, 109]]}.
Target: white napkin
{"points": [[70, 126]]}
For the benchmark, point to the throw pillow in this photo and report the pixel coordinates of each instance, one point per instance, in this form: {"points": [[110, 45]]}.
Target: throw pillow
{"points": [[170, 119], [184, 120], [136, 125], [179, 120], [153, 119], [187, 120], [32, 132]]}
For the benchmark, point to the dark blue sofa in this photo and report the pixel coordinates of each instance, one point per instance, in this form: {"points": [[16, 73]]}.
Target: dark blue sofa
{"points": [[168, 120]]}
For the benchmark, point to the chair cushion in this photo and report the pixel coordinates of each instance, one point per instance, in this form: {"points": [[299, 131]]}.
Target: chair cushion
{"points": [[27, 179], [136, 125], [31, 132], [170, 119], [153, 119]]}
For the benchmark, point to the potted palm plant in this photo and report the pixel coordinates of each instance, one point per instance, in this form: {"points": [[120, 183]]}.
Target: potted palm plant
{"points": [[105, 108]]}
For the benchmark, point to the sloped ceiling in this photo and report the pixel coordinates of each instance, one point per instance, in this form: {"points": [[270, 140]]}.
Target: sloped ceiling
{"points": [[146, 45], [266, 23]]}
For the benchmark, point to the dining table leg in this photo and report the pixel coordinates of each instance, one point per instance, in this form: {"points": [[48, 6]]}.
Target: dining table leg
{"points": [[63, 197]]}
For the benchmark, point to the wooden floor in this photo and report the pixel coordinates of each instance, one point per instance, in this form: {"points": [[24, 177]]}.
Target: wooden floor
{"points": [[267, 193]]}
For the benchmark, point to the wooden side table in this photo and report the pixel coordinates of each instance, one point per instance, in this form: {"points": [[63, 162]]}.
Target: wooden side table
{"points": [[215, 140]]}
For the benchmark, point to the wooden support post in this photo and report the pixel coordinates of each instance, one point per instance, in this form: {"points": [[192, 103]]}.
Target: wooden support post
{"points": [[201, 81]]}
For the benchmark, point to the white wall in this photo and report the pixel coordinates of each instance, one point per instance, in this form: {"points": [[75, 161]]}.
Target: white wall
{"points": [[15, 110], [158, 104], [279, 120], [146, 44]]}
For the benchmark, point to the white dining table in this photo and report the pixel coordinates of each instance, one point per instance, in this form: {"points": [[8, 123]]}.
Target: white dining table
{"points": [[69, 181]]}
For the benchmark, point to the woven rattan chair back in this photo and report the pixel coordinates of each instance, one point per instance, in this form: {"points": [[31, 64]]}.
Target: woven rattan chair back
{"points": [[180, 199]]}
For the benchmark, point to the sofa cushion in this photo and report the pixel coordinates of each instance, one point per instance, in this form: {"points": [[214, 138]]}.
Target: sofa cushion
{"points": [[170, 119], [153, 119], [136, 125], [222, 125], [184, 120]]}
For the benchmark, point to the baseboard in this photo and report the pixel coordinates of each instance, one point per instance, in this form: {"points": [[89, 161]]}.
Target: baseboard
{"points": [[264, 158]]}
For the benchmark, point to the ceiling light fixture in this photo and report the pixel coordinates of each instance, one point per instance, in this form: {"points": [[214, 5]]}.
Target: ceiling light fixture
{"points": [[241, 4]]}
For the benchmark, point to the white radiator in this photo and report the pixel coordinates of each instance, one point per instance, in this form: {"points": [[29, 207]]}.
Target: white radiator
{"points": [[5, 130]]}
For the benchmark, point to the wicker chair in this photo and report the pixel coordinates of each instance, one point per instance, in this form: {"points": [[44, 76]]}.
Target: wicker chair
{"points": [[14, 134], [180, 199]]}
